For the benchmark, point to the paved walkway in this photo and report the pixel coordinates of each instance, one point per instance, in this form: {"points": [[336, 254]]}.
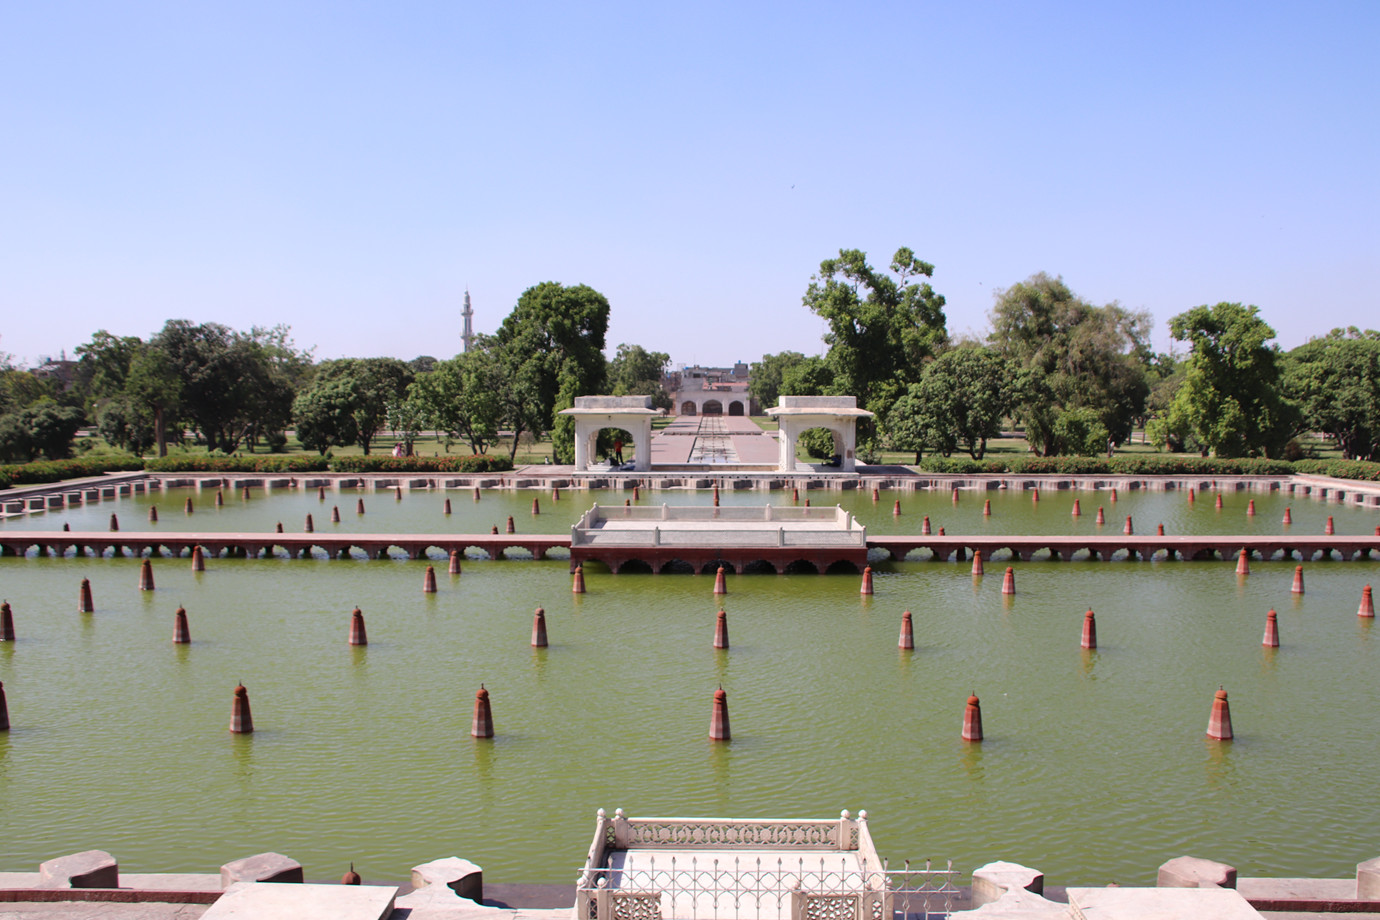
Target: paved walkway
{"points": [[711, 439]]}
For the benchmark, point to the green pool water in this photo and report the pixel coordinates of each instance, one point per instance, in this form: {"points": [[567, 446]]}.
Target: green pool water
{"points": [[1095, 767]]}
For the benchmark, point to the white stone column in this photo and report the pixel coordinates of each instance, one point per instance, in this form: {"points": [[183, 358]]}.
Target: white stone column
{"points": [[642, 445]]}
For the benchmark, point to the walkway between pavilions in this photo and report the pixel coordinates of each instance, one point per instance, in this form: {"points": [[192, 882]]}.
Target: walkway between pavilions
{"points": [[713, 439]]}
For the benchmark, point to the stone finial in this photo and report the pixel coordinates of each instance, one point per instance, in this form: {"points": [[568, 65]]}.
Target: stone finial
{"points": [[461, 876], [993, 880], [91, 869], [1368, 880], [264, 867], [1192, 872]]}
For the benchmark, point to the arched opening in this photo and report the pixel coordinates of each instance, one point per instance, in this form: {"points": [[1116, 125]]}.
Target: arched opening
{"points": [[687, 408], [760, 567], [735, 408], [677, 567], [712, 407], [635, 567], [841, 567], [613, 446], [820, 445], [802, 567]]}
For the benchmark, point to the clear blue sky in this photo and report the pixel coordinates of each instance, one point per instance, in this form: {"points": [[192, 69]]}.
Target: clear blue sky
{"points": [[349, 168]]}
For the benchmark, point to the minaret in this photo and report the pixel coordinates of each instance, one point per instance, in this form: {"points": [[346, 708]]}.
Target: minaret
{"points": [[468, 335]]}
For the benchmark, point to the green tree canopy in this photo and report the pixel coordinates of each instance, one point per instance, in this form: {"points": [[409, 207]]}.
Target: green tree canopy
{"points": [[881, 326], [1078, 355], [1231, 398], [635, 371], [961, 399], [765, 383], [349, 400], [1335, 380]]}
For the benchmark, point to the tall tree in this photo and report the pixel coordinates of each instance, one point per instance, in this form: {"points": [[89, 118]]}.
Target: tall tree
{"points": [[552, 344], [1078, 355], [1231, 397], [1335, 380], [635, 371], [350, 399], [764, 384], [961, 399], [881, 326]]}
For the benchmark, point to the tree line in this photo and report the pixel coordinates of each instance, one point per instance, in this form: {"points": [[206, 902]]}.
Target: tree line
{"points": [[231, 390], [1073, 374], [1078, 377]]}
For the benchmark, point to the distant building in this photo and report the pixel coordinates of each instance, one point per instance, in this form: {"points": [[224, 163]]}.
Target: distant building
{"points": [[697, 390], [61, 373]]}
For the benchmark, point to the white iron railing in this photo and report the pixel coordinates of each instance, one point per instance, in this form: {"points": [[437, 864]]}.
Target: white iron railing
{"points": [[764, 888], [639, 869]]}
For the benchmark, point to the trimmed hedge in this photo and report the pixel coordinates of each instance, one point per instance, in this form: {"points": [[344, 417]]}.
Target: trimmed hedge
{"points": [[265, 464], [478, 463], [1363, 470], [40, 471], [1142, 465]]}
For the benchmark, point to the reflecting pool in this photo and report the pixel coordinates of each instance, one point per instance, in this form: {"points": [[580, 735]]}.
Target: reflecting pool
{"points": [[1095, 767]]}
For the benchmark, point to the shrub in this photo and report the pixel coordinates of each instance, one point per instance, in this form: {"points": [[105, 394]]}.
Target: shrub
{"points": [[201, 463], [1363, 470], [478, 463], [40, 471]]}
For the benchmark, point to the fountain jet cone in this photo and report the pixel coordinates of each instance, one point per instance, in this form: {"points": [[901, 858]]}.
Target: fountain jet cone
{"points": [[153, 514], [866, 580], [977, 563], [86, 604], [1367, 608], [907, 640], [278, 528], [1008, 581], [1089, 630], [1128, 529], [955, 495], [718, 722], [198, 559], [146, 575], [987, 508], [1035, 496], [721, 630], [335, 514], [875, 495], [220, 499], [359, 635], [896, 508], [1159, 530], [1243, 562], [1218, 503], [1219, 722], [536, 507], [4, 710], [555, 493], [351, 877], [1192, 496], [321, 493], [309, 527], [1113, 496], [6, 623], [1288, 516], [114, 524], [359, 506], [445, 508], [924, 526], [483, 724], [1101, 518], [1250, 508], [577, 584], [1297, 586], [476, 493], [972, 720], [512, 528], [454, 562], [182, 634], [241, 719], [1271, 639], [1328, 529], [539, 629], [429, 580], [1077, 508], [720, 582]]}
